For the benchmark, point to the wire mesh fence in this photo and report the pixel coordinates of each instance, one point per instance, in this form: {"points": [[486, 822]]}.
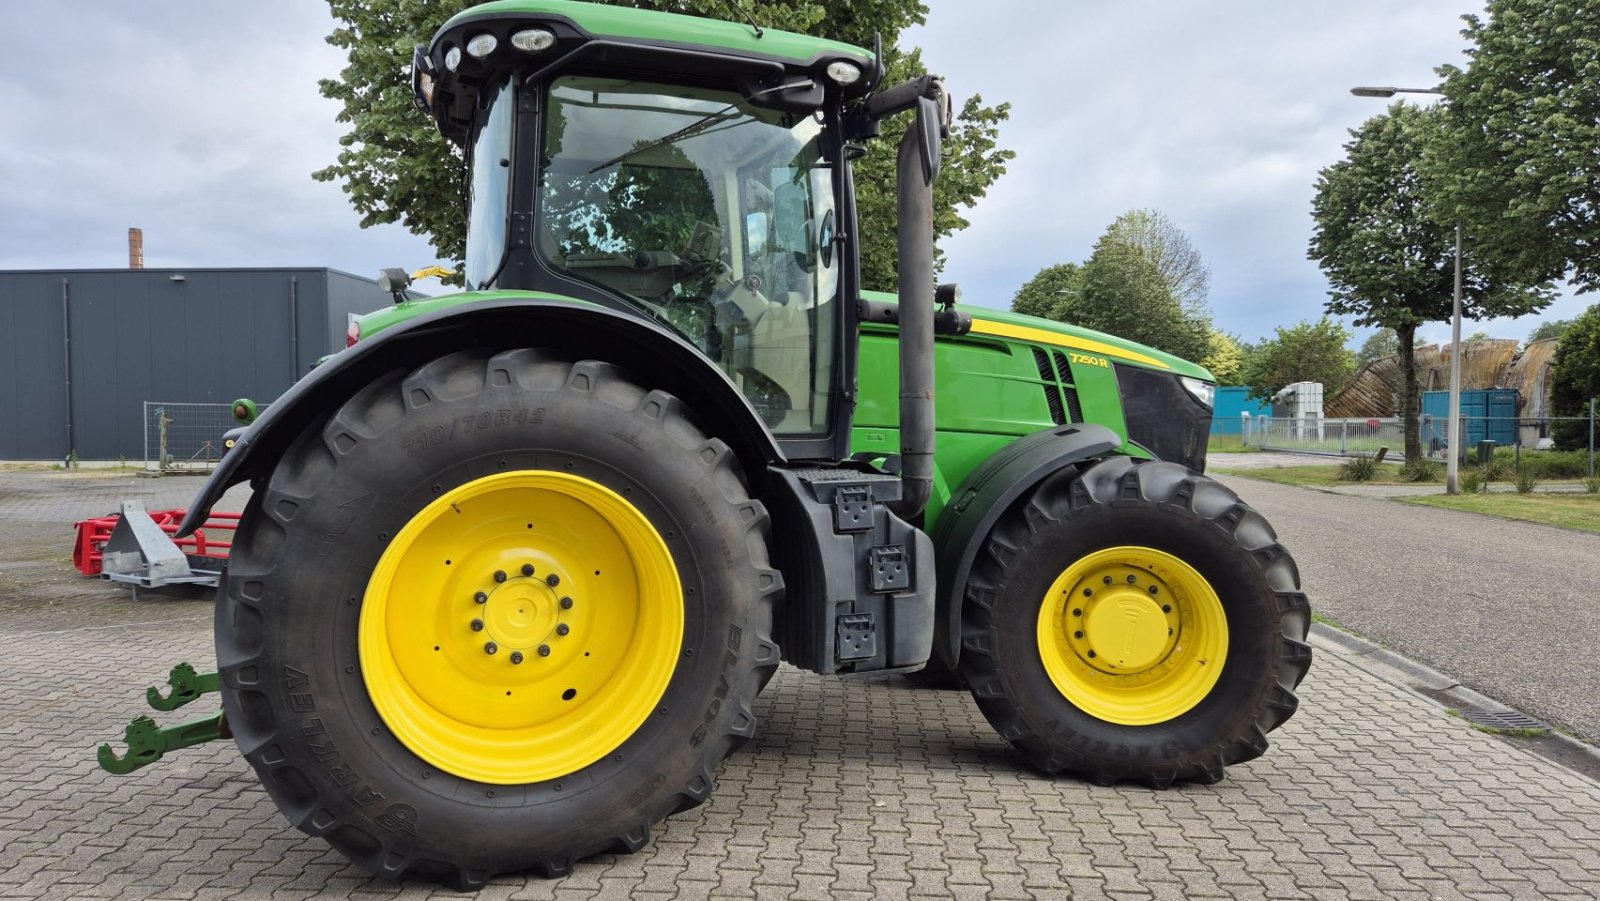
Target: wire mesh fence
{"points": [[1484, 437], [181, 437]]}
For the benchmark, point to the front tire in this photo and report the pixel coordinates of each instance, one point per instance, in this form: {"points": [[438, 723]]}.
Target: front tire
{"points": [[405, 672], [1135, 621]]}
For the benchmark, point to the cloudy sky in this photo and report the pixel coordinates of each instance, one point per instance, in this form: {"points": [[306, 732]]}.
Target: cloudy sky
{"points": [[200, 122]]}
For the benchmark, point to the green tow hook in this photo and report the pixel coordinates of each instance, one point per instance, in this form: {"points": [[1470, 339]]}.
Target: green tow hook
{"points": [[147, 742], [187, 685]]}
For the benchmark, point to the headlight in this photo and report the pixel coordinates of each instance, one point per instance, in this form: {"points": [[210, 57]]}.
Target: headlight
{"points": [[1204, 392], [482, 45], [533, 40], [844, 73]]}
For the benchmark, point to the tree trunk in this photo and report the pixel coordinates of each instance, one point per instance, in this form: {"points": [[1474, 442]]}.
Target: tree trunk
{"points": [[1410, 397]]}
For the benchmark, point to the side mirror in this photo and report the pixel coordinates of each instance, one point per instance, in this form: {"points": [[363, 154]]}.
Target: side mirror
{"points": [[930, 137]]}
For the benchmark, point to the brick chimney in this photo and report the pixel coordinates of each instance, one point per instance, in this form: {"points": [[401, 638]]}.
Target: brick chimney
{"points": [[135, 248]]}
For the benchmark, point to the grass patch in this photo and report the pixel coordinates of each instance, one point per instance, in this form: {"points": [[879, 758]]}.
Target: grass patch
{"points": [[1229, 444], [1329, 621], [1574, 511], [1315, 475]]}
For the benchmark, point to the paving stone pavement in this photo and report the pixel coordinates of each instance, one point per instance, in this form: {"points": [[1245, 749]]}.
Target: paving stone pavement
{"points": [[853, 790]]}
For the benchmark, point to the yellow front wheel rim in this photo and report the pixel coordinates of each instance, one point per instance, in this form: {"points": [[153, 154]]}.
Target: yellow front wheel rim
{"points": [[521, 627], [1132, 635]]}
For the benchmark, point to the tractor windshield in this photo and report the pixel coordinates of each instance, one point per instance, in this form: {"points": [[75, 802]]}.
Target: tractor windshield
{"points": [[716, 215]]}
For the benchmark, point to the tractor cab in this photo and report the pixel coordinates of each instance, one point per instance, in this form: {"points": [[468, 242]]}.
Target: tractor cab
{"points": [[698, 179]]}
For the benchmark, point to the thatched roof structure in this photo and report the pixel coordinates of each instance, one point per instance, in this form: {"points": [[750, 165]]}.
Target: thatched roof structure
{"points": [[1374, 390]]}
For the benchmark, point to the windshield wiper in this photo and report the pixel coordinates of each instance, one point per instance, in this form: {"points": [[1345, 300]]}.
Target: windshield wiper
{"points": [[689, 130]]}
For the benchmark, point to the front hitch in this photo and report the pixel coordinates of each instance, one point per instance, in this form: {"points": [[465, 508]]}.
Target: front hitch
{"points": [[147, 742]]}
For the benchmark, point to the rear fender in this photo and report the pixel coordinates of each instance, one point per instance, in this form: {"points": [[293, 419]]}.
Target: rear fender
{"points": [[662, 359], [983, 498]]}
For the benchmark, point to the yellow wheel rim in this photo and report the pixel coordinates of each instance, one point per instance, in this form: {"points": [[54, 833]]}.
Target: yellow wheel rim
{"points": [[1132, 635], [521, 627]]}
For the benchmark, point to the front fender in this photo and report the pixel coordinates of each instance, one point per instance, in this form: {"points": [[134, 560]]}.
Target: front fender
{"points": [[983, 498], [663, 359]]}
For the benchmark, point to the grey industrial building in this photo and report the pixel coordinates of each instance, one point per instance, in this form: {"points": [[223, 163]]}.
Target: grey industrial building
{"points": [[81, 351]]}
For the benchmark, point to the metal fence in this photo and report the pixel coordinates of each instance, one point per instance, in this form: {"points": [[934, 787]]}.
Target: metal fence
{"points": [[1343, 437], [184, 437]]}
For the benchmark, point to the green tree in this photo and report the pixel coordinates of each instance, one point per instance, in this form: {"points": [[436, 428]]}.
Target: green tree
{"points": [[1576, 379], [1381, 343], [1224, 357], [1550, 328], [1307, 352], [1516, 163], [1144, 282], [1046, 292], [396, 168], [1125, 294], [1388, 259]]}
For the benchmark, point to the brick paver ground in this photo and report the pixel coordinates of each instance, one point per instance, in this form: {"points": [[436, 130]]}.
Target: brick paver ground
{"points": [[866, 789]]}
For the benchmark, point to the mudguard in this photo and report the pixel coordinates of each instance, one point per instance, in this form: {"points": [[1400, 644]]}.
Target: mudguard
{"points": [[983, 498], [580, 331]]}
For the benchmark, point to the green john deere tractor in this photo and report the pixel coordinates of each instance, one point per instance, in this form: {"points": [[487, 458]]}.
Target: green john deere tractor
{"points": [[519, 560]]}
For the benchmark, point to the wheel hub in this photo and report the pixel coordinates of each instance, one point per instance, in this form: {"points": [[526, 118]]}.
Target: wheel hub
{"points": [[1127, 631], [1132, 635], [521, 613]]}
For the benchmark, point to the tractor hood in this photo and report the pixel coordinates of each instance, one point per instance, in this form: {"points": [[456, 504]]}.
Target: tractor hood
{"points": [[1004, 324], [986, 321]]}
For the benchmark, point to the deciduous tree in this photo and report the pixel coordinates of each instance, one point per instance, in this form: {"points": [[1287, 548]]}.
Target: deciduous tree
{"points": [[1046, 292], [1381, 343], [1517, 162], [1307, 352], [1388, 258], [1576, 379]]}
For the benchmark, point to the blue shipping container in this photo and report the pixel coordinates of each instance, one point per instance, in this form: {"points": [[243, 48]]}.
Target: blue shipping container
{"points": [[1487, 415], [1230, 403]]}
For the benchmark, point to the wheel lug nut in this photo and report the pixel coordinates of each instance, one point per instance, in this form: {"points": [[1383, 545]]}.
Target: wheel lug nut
{"points": [[566, 603], [552, 580], [1091, 653], [1088, 592], [1077, 611], [1106, 580], [1132, 579], [516, 656], [1154, 590], [544, 650], [481, 598], [491, 647], [1166, 608], [499, 575], [527, 569], [477, 625], [1077, 635], [563, 629]]}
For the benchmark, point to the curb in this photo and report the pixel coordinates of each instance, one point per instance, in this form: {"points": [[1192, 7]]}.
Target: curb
{"points": [[1446, 693]]}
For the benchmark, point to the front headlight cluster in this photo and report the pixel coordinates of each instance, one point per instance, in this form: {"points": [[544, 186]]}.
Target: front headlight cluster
{"points": [[1203, 391]]}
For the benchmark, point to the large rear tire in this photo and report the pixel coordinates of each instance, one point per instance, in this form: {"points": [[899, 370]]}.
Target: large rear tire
{"points": [[1135, 621], [500, 613]]}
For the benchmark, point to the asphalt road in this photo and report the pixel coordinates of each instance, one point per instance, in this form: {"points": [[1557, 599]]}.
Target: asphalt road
{"points": [[1510, 609]]}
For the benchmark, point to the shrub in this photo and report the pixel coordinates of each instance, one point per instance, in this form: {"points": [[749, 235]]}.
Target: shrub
{"points": [[1422, 470], [1472, 482], [1592, 484], [1526, 479], [1359, 468], [1545, 464]]}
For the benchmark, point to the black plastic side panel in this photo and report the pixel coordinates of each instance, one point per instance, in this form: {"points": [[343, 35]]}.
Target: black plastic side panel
{"points": [[859, 581], [660, 359], [986, 495]]}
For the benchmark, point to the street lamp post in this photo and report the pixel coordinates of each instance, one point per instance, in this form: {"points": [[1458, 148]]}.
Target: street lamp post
{"points": [[1453, 446]]}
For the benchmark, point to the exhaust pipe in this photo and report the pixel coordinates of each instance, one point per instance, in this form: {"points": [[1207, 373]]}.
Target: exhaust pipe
{"points": [[918, 169]]}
